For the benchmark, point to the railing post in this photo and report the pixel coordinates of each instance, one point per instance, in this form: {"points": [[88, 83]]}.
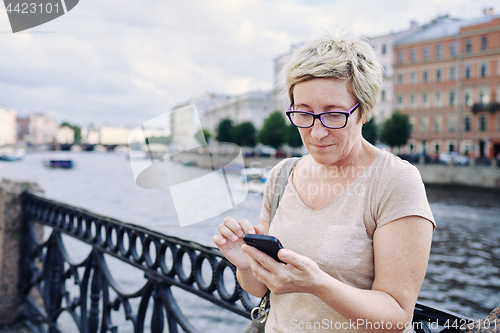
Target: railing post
{"points": [[11, 231]]}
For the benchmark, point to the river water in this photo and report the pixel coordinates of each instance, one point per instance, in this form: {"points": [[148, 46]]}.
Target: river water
{"points": [[463, 273]]}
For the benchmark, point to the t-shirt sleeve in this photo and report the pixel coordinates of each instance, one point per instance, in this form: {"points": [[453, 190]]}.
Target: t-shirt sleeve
{"points": [[265, 213], [402, 194]]}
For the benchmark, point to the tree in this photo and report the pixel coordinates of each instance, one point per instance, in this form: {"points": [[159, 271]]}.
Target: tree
{"points": [[224, 131], [273, 130], [369, 131], [292, 136], [245, 134], [396, 130]]}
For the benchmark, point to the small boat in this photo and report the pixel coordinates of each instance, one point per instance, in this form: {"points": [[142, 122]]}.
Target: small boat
{"points": [[12, 155], [255, 174], [58, 162]]}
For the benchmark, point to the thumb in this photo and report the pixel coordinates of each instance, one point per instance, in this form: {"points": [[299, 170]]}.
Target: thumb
{"points": [[291, 258]]}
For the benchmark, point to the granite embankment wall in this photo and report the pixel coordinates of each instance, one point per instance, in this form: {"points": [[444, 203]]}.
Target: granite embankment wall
{"points": [[471, 175]]}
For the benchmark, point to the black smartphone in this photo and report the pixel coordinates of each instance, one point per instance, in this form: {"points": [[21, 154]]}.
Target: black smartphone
{"points": [[270, 245]]}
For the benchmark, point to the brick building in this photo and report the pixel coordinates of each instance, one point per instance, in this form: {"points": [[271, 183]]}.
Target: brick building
{"points": [[447, 79]]}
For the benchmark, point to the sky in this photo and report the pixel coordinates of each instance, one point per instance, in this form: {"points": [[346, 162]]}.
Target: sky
{"points": [[121, 63]]}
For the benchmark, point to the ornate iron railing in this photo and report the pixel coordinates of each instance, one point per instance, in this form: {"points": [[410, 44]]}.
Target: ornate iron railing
{"points": [[145, 249], [46, 268]]}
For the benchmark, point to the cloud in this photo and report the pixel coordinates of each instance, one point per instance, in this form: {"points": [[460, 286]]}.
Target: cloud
{"points": [[120, 63]]}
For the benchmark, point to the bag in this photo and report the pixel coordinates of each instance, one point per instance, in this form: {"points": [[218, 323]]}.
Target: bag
{"points": [[258, 324]]}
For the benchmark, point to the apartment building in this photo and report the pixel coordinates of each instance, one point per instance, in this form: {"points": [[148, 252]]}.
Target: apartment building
{"points": [[8, 127], [447, 79]]}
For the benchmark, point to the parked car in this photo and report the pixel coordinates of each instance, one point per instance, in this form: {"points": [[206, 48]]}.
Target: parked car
{"points": [[458, 159]]}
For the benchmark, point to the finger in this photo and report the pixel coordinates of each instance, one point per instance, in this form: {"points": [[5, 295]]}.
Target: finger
{"points": [[260, 272], [292, 258], [219, 240], [259, 229], [227, 233], [247, 227], [234, 226], [263, 259]]}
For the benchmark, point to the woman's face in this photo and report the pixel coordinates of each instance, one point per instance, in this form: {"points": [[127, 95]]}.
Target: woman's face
{"points": [[328, 146]]}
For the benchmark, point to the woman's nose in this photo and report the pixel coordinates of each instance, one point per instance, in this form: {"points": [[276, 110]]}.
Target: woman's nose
{"points": [[318, 131]]}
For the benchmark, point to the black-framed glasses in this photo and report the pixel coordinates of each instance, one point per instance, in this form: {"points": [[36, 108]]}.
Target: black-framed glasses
{"points": [[329, 119]]}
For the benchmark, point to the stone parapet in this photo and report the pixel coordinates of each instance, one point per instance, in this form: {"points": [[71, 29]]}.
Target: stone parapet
{"points": [[11, 231]]}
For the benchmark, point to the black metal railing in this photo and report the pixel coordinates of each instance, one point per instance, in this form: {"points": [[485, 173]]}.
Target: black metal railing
{"points": [[47, 267], [160, 257]]}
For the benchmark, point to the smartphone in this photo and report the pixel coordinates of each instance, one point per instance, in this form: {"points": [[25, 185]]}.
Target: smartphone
{"points": [[270, 245]]}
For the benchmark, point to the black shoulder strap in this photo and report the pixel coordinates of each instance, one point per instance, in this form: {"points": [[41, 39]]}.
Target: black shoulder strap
{"points": [[279, 188]]}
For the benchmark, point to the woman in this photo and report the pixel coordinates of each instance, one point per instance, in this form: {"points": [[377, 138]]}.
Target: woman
{"points": [[354, 220]]}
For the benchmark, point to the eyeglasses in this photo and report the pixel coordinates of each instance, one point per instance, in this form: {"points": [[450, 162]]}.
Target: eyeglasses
{"points": [[329, 119]]}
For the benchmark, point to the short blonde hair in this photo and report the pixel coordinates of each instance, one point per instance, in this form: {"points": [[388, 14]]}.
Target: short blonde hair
{"points": [[340, 56]]}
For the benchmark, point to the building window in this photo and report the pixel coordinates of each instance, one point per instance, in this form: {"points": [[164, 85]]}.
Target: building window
{"points": [[425, 100], [484, 43], [413, 54], [452, 98], [438, 50], [401, 55], [413, 103], [484, 70], [451, 124], [452, 73], [484, 95], [467, 124], [384, 50], [438, 74], [468, 97], [437, 100], [426, 52], [413, 121], [468, 71], [400, 79], [412, 78], [438, 124], [424, 124], [468, 45], [382, 96], [400, 102], [424, 76], [452, 48], [482, 123]]}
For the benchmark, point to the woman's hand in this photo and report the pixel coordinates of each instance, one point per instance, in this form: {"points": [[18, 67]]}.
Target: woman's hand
{"points": [[298, 276], [230, 240]]}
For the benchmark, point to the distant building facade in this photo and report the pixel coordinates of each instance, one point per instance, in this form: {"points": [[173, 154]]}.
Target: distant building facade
{"points": [[65, 135], [383, 47], [447, 79], [8, 127], [36, 129], [213, 108], [254, 107]]}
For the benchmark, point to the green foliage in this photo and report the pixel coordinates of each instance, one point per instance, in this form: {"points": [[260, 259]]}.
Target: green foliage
{"points": [[272, 132], [292, 136], [396, 130], [369, 131], [224, 131], [244, 134]]}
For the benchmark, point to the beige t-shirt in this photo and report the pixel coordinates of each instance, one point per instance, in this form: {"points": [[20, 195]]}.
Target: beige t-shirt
{"points": [[338, 236]]}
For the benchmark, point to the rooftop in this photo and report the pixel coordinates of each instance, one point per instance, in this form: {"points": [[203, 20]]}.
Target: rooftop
{"points": [[443, 26]]}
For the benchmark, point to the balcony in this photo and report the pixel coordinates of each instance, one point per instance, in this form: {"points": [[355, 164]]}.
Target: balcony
{"points": [[492, 107]]}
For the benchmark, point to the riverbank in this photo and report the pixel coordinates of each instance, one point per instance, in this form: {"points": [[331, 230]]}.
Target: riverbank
{"points": [[432, 174]]}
